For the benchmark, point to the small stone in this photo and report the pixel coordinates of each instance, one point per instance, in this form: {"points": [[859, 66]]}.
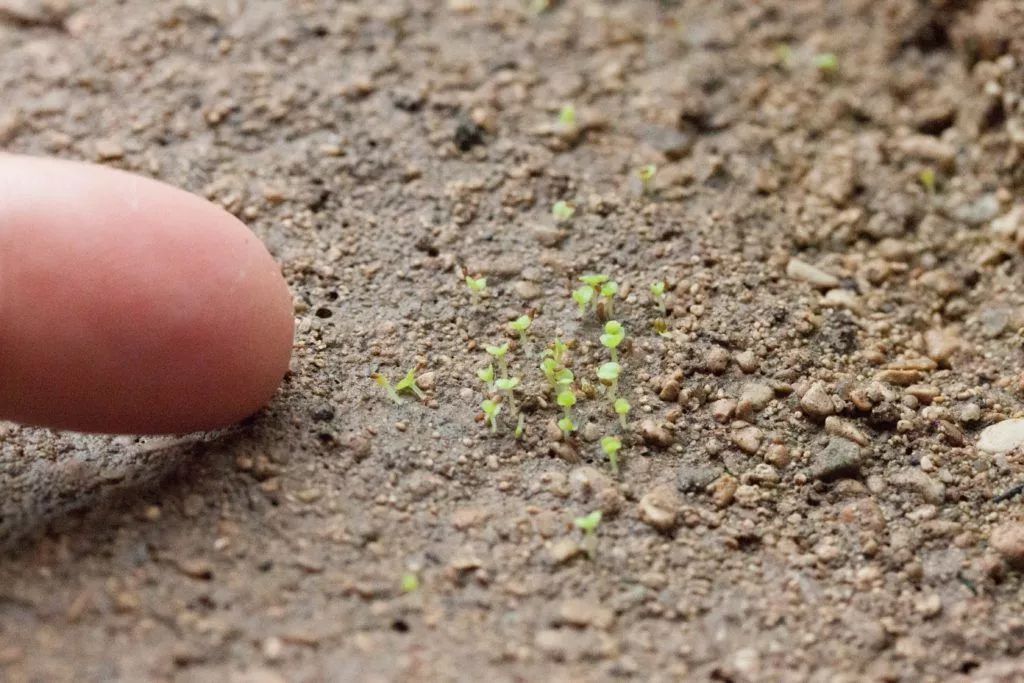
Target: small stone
{"points": [[778, 455], [722, 410], [899, 377], [695, 478], [717, 360], [978, 212], [109, 150], [840, 427], [748, 496], [839, 459], [812, 275], [427, 380], [467, 135], [747, 439], [669, 390], [1002, 437], [931, 490], [272, 648], [754, 398], [468, 517], [994, 321], [929, 148], [816, 403], [655, 435], [1008, 540], [527, 290], [723, 490], [563, 550], [747, 361], [940, 344], [673, 143], [660, 507], [581, 612], [929, 606], [547, 236], [196, 568], [323, 413], [969, 413]]}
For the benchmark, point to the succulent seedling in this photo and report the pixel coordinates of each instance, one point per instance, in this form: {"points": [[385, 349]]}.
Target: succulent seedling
{"points": [[491, 410], [826, 62], [594, 281], [567, 117], [499, 352], [613, 335], [385, 384], [477, 287], [608, 373], [521, 325], [410, 582], [646, 175], [583, 297], [658, 295], [562, 211], [588, 525], [611, 445], [507, 386], [486, 375], [408, 383], [566, 399], [622, 408]]}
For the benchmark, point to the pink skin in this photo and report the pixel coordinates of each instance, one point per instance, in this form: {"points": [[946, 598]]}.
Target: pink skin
{"points": [[129, 306]]}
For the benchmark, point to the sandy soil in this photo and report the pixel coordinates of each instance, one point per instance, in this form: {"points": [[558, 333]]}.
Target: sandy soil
{"points": [[837, 214]]}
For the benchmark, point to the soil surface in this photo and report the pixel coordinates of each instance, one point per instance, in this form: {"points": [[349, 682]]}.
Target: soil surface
{"points": [[804, 490]]}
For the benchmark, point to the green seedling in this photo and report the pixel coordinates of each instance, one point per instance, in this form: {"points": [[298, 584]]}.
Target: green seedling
{"points": [[594, 281], [557, 351], [385, 384], [408, 383], [507, 386], [622, 408], [784, 55], [491, 410], [499, 352], [658, 295], [521, 325], [486, 375], [611, 445], [477, 287], [661, 327], [613, 335], [410, 582], [608, 373], [566, 399], [519, 426], [608, 292], [927, 178], [588, 525], [646, 175], [562, 211], [567, 116], [826, 62], [583, 297]]}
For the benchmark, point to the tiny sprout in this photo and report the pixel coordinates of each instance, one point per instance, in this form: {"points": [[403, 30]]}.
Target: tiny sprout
{"points": [[477, 286], [826, 62], [612, 337], [507, 385], [409, 382], [646, 175], [611, 445], [567, 116], [410, 582], [927, 178], [608, 292], [521, 325], [622, 407], [567, 426], [661, 327], [486, 375], [594, 281], [608, 373], [499, 352], [385, 384], [588, 525], [519, 426], [566, 399], [784, 55], [583, 296], [562, 211], [558, 349], [491, 410], [658, 295]]}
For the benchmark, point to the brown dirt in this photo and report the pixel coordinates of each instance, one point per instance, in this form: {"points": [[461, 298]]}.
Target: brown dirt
{"points": [[380, 147]]}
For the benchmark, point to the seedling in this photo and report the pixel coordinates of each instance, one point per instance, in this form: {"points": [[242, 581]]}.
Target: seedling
{"points": [[477, 287], [608, 373], [410, 582], [611, 445], [594, 281], [519, 426], [566, 399], [567, 116], [486, 375], [409, 383], [826, 62], [588, 525], [646, 175], [521, 325], [608, 292], [613, 335], [622, 407], [499, 352], [507, 386], [927, 179], [658, 295], [385, 384], [784, 55], [583, 296], [661, 327], [557, 350], [491, 410], [562, 211]]}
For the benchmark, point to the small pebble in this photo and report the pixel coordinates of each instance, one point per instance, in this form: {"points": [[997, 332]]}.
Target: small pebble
{"points": [[1007, 539], [1002, 437]]}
